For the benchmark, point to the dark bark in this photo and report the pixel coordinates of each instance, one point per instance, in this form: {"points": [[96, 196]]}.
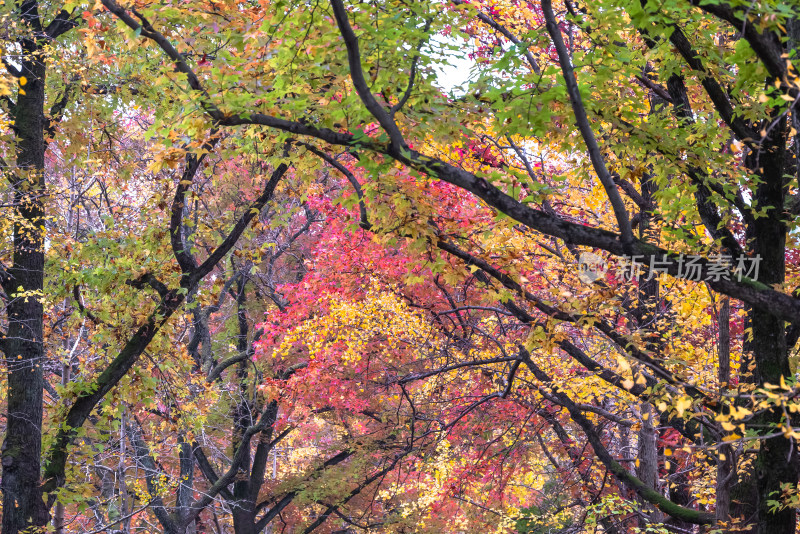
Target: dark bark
{"points": [[184, 494], [776, 463], [725, 458], [151, 470], [171, 300], [24, 348], [242, 506], [23, 503], [649, 495]]}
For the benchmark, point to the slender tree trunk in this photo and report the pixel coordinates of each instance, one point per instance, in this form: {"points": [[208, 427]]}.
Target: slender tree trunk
{"points": [[184, 497], [647, 455], [58, 513], [21, 454], [776, 462], [647, 470], [242, 508], [646, 314], [725, 460]]}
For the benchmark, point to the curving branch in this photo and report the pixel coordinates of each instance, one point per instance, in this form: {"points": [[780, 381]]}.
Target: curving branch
{"points": [[208, 470], [63, 22], [383, 117], [253, 210], [413, 74], [185, 259], [766, 45], [355, 491], [287, 499], [170, 301], [150, 280], [362, 207], [716, 93], [603, 326], [582, 120], [752, 292], [643, 490], [145, 460]]}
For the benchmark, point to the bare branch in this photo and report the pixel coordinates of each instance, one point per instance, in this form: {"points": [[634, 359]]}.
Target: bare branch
{"points": [[489, 21]]}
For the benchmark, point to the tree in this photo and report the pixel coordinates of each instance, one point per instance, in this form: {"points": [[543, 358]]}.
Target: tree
{"points": [[32, 476], [716, 76], [470, 212]]}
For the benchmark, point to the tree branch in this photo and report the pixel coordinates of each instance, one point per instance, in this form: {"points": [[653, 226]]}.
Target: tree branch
{"points": [[362, 208], [383, 117], [289, 497], [622, 474], [358, 489], [62, 23], [766, 45], [752, 292], [184, 257], [56, 459], [507, 34], [145, 460], [150, 280], [253, 210], [585, 128], [718, 97], [208, 470], [412, 75]]}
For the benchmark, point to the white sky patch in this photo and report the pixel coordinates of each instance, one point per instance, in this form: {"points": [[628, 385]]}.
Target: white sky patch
{"points": [[454, 70]]}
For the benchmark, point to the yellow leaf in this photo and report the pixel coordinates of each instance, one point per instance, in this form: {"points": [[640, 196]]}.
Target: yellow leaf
{"points": [[740, 413], [627, 384], [682, 405]]}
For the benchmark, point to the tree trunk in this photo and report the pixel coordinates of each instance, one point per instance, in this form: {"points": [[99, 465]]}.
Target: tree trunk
{"points": [[242, 507], [647, 454], [24, 349], [776, 463], [725, 461], [184, 497]]}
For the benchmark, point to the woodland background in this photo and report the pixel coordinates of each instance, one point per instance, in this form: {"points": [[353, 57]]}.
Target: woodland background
{"points": [[266, 269]]}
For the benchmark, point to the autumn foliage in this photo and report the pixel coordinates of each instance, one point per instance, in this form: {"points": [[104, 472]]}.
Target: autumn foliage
{"points": [[461, 266]]}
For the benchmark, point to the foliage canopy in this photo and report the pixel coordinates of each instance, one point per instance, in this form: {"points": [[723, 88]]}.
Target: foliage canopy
{"points": [[264, 269]]}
